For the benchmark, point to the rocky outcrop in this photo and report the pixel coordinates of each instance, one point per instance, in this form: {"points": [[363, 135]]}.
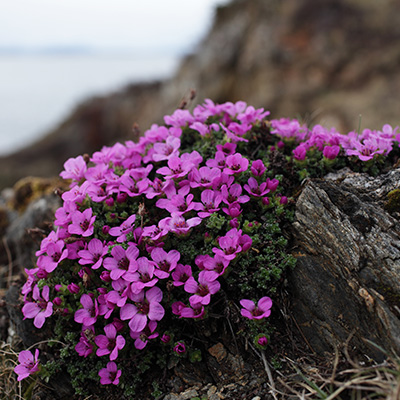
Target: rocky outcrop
{"points": [[26, 217], [347, 279], [327, 61]]}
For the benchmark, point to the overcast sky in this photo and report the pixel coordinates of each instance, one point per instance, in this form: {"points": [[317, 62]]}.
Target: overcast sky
{"points": [[105, 24]]}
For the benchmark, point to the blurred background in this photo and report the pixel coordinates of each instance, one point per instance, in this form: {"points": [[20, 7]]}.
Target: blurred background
{"points": [[56, 54], [77, 74]]}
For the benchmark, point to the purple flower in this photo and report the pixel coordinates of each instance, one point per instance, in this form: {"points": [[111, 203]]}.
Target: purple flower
{"points": [[55, 253], [203, 289], [180, 348], [164, 151], [217, 264], [203, 177], [195, 311], [177, 308], [84, 347], [166, 262], [286, 128], [141, 338], [41, 308], [331, 152], [283, 200], [219, 160], [258, 168], [299, 153], [251, 115], [178, 204], [177, 168], [252, 187], [144, 276], [223, 180], [159, 187], [180, 309], [262, 341], [123, 263], [203, 129], [179, 118], [94, 254], [82, 223], [28, 364], [259, 311], [235, 132], [235, 163], [133, 187], [155, 233], [227, 148], [109, 343], [229, 245], [75, 169], [96, 192], [97, 174], [272, 184], [122, 230], [233, 194], [122, 197], [210, 201], [89, 313], [181, 274], [74, 248], [110, 374], [166, 338], [233, 210], [367, 148], [146, 307], [53, 237], [73, 288], [178, 225]]}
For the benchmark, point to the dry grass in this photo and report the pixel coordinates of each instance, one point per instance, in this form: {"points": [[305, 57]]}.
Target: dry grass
{"points": [[356, 382], [10, 388]]}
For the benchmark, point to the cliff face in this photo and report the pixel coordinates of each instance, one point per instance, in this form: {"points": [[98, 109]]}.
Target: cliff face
{"points": [[327, 61]]}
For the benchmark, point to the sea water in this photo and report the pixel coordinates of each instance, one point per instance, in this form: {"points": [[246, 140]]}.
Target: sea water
{"points": [[37, 91]]}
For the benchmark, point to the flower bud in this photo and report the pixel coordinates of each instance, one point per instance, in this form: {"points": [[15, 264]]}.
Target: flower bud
{"points": [[180, 348], [73, 288]]}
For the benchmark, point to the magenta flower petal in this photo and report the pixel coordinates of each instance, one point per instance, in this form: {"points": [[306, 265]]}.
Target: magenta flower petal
{"points": [[138, 322], [264, 303]]}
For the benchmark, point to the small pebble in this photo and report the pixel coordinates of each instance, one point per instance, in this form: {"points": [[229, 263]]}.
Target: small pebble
{"points": [[188, 394], [211, 390]]}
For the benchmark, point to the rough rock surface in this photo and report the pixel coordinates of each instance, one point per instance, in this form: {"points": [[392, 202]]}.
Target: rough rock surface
{"points": [[347, 278], [26, 216], [325, 61]]}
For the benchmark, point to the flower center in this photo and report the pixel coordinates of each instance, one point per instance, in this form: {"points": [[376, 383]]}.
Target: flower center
{"points": [[202, 290], [56, 256], [111, 344], [256, 312], [145, 277], [143, 308], [164, 265], [123, 263], [84, 225], [179, 225]]}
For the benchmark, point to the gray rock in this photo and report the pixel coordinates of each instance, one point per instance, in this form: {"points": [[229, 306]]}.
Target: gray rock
{"points": [[38, 215], [347, 279]]}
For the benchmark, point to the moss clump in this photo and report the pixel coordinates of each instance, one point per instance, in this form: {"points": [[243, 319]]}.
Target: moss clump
{"points": [[393, 203]]}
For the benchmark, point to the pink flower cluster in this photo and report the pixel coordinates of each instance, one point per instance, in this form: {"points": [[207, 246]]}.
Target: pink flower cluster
{"points": [[119, 260], [365, 145]]}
